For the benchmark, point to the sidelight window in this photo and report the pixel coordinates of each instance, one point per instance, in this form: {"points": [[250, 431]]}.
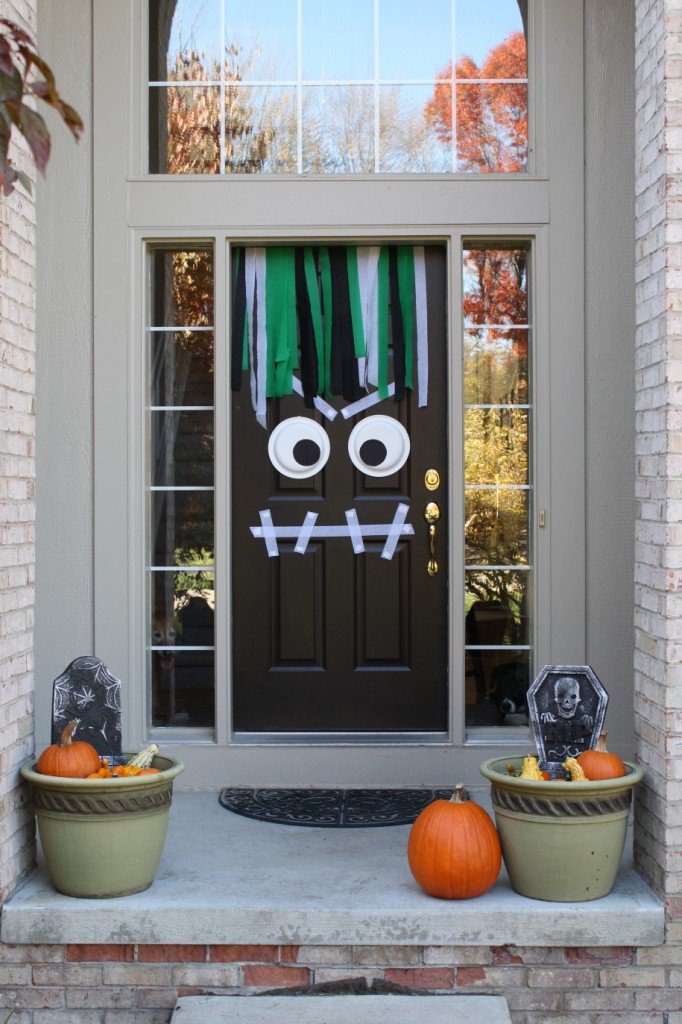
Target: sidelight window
{"points": [[318, 87]]}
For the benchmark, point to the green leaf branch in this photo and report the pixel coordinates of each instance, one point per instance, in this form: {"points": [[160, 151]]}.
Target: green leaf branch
{"points": [[25, 75]]}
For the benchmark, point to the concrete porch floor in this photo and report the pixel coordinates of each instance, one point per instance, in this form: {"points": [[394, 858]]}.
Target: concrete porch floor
{"points": [[227, 879]]}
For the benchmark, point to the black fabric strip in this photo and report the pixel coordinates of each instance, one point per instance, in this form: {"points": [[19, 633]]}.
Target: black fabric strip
{"points": [[344, 369], [309, 368], [397, 329], [238, 317]]}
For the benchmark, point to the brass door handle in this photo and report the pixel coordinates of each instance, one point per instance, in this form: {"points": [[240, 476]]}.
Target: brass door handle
{"points": [[432, 515]]}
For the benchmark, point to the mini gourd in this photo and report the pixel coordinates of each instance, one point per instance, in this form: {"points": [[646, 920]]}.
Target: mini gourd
{"points": [[69, 759], [599, 764], [571, 766], [454, 851], [530, 769]]}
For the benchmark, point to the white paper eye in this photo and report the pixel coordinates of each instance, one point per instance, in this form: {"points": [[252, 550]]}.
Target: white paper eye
{"points": [[379, 446], [298, 447]]}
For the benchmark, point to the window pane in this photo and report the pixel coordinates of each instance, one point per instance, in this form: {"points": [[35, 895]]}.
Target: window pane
{"points": [[496, 607], [496, 367], [181, 288], [183, 605], [496, 685], [491, 40], [492, 128], [183, 688], [338, 129], [415, 40], [260, 38], [409, 140], [496, 446], [260, 130], [496, 527], [184, 38], [184, 130], [338, 40], [182, 527], [182, 449], [495, 286], [181, 367]]}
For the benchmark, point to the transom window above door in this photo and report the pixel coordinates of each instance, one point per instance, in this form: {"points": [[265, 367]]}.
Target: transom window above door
{"points": [[322, 87]]}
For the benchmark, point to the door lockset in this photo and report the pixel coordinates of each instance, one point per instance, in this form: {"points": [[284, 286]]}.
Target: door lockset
{"points": [[432, 515]]}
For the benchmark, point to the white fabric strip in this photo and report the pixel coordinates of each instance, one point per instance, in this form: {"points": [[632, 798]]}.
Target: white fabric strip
{"points": [[422, 324], [365, 403], [250, 271], [304, 533], [268, 533], [395, 531], [324, 407], [261, 339], [354, 531], [368, 265], [327, 532]]}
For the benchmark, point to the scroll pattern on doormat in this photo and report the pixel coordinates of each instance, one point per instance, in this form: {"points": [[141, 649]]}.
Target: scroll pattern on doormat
{"points": [[332, 808]]}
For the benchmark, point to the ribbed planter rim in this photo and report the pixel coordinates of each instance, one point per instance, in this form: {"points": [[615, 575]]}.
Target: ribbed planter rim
{"points": [[28, 772], [494, 769]]}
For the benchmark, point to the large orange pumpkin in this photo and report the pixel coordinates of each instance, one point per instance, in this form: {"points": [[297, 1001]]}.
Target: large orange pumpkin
{"points": [[68, 759], [599, 764], [454, 850]]}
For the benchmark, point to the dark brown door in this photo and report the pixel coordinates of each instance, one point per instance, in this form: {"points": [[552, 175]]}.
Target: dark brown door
{"points": [[329, 640]]}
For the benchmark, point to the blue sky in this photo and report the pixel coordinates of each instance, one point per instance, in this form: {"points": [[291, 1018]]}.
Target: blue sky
{"points": [[415, 35]]}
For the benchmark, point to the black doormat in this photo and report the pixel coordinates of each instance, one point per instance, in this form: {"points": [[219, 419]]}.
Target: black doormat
{"points": [[332, 808]]}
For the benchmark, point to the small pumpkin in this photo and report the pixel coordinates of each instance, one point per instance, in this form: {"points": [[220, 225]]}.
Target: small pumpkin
{"points": [[454, 850], [68, 759], [600, 763]]}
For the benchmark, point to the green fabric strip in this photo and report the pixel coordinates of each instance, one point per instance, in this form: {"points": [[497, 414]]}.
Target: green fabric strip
{"points": [[355, 303], [326, 275], [406, 288], [316, 313], [280, 304], [382, 341]]}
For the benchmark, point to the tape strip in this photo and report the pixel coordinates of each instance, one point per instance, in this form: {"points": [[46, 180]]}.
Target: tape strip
{"points": [[422, 324], [305, 532], [324, 407], [268, 533], [368, 262], [395, 531], [250, 274], [354, 531], [366, 402]]}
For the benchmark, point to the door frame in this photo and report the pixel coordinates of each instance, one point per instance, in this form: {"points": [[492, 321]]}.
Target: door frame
{"points": [[131, 208]]}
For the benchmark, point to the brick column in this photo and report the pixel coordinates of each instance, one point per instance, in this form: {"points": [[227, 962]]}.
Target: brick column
{"points": [[658, 558], [17, 512]]}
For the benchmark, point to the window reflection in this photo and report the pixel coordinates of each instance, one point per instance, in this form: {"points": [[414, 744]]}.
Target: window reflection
{"points": [[399, 75], [498, 484]]}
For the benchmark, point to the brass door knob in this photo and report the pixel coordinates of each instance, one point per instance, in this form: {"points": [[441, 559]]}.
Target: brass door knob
{"points": [[432, 515]]}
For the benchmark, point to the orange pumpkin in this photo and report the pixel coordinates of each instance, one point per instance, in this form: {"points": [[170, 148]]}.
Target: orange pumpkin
{"points": [[600, 763], [68, 759], [454, 850]]}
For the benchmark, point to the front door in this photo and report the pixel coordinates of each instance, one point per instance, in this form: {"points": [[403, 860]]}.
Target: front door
{"points": [[338, 626]]}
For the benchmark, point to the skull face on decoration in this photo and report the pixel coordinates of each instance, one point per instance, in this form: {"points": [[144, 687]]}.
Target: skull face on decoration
{"points": [[567, 696]]}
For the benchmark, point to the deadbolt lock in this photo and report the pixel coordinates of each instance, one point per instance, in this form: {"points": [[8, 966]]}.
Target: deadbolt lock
{"points": [[432, 479]]}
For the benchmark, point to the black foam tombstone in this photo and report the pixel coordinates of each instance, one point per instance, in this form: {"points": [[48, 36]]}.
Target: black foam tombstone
{"points": [[87, 692], [567, 707]]}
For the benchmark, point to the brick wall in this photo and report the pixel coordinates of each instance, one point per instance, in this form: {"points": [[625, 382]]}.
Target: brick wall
{"points": [[17, 513], [139, 984]]}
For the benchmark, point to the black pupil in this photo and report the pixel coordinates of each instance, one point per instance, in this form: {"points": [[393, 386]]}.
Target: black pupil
{"points": [[373, 452], [306, 452]]}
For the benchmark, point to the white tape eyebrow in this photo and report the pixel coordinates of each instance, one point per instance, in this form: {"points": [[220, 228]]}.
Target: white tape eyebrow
{"points": [[366, 402], [268, 533], [324, 407], [395, 530], [354, 531], [305, 532]]}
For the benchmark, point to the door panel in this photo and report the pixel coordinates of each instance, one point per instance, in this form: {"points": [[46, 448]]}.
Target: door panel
{"points": [[330, 641]]}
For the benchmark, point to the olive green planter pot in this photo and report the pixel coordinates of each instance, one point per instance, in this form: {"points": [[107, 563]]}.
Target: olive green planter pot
{"points": [[561, 841], [103, 837]]}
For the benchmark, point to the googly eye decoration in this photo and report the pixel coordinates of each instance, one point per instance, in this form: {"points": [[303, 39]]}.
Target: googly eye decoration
{"points": [[298, 447], [379, 446]]}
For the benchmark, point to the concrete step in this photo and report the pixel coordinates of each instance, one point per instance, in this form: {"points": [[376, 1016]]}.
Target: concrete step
{"points": [[341, 1010]]}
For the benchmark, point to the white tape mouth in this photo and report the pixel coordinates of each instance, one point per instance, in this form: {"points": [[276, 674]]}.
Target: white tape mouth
{"points": [[352, 529]]}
